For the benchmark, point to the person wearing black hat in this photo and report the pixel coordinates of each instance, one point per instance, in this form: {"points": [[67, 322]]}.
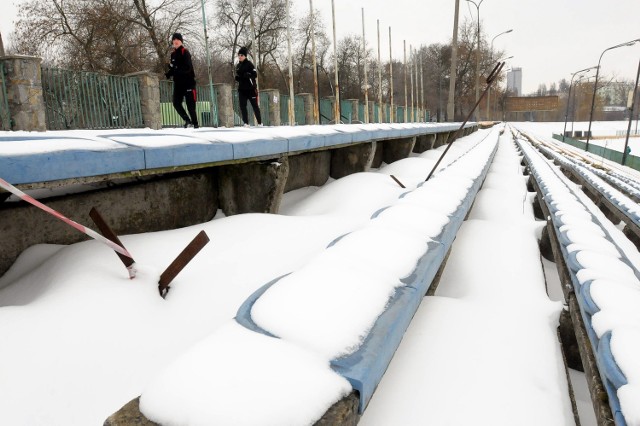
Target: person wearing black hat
{"points": [[246, 75], [184, 81]]}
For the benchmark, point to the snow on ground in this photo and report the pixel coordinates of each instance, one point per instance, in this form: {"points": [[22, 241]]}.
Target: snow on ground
{"points": [[80, 339], [484, 350]]}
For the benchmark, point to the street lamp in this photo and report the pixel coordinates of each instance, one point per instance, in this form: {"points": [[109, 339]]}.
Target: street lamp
{"points": [[489, 91], [477, 5], [566, 115], [575, 102], [491, 52], [595, 85], [633, 103]]}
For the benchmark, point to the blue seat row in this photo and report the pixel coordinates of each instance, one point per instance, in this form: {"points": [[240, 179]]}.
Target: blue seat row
{"points": [[365, 367], [610, 372], [79, 154], [624, 204]]}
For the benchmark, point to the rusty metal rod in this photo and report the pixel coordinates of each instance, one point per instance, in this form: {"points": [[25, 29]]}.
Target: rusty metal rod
{"points": [[397, 181], [107, 232], [181, 261], [494, 73]]}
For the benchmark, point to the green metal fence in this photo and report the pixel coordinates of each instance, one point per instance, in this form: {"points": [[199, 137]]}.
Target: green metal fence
{"points": [[86, 100], [399, 115], [346, 112], [5, 115], [284, 110], [610, 154], [206, 110], [263, 103], [361, 112], [326, 111], [265, 112], [298, 106]]}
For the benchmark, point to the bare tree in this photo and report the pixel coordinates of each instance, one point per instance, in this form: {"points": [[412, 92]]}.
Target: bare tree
{"points": [[115, 36]]}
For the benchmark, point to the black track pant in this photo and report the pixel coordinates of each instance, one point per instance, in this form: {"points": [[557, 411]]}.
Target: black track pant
{"points": [[250, 96], [190, 96]]}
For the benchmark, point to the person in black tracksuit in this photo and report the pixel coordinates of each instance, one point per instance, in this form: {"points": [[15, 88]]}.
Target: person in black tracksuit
{"points": [[246, 75], [184, 81]]}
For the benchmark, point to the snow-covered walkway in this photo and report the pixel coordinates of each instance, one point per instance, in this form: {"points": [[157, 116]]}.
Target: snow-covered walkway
{"points": [[484, 350]]}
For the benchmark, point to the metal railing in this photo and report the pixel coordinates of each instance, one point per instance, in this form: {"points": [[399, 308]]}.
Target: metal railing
{"points": [[263, 103], [326, 111], [298, 108], [284, 110], [87, 100], [5, 115], [346, 112], [206, 108]]}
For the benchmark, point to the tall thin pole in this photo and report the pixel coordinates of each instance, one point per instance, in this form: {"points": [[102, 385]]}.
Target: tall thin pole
{"points": [[633, 104], [366, 80], [254, 45], [413, 109], [415, 74], [381, 109], [422, 105], [292, 117], [478, 57], [212, 113], [316, 92], [392, 115], [336, 106], [454, 65], [406, 93]]}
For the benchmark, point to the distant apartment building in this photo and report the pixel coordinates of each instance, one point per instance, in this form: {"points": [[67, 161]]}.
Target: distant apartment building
{"points": [[514, 81]]}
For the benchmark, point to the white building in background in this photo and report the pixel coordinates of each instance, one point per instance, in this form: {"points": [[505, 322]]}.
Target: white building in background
{"points": [[514, 81]]}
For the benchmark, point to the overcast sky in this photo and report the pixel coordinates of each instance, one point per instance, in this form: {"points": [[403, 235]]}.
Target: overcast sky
{"points": [[550, 38]]}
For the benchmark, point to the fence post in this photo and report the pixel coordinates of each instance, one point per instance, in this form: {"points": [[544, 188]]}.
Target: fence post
{"points": [[225, 104], [149, 99], [274, 106], [24, 92]]}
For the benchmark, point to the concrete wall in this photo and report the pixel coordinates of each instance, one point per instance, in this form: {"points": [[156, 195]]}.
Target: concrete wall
{"points": [[24, 92], [181, 199], [164, 203]]}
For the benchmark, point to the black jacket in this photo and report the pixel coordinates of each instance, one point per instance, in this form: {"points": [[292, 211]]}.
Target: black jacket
{"points": [[181, 69], [246, 76]]}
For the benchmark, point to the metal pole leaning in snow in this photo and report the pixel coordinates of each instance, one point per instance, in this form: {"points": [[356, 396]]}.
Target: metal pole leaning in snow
{"points": [[97, 218], [87, 231], [452, 137], [292, 97], [316, 91], [366, 81], [397, 181], [181, 261], [336, 105]]}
